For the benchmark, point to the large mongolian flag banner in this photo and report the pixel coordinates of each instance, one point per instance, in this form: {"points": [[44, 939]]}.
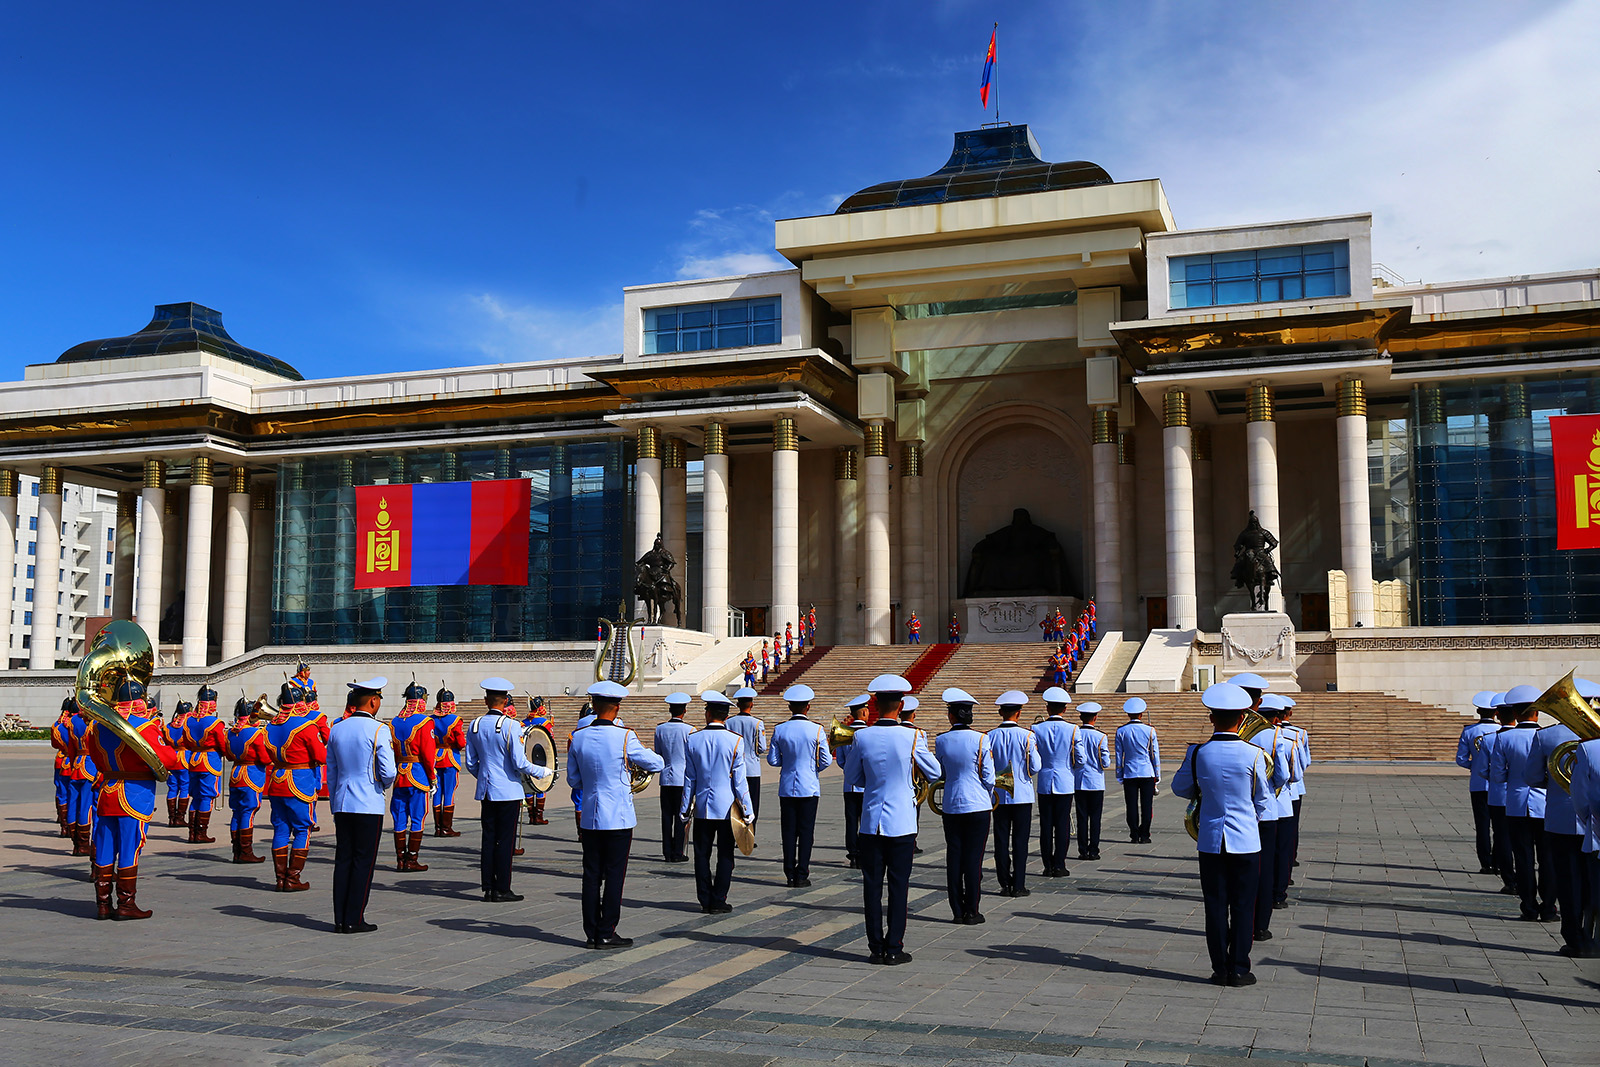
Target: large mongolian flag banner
{"points": [[1575, 439], [442, 533]]}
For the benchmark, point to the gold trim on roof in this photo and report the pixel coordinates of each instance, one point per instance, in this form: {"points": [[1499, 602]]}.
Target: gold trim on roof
{"points": [[155, 474], [238, 480], [200, 470], [649, 439], [910, 459]]}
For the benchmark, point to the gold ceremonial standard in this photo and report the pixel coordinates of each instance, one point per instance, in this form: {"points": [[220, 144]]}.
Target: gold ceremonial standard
{"points": [[120, 652]]}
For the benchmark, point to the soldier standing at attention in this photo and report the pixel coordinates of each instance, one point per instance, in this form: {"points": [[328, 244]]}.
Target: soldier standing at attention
{"points": [[968, 765], [449, 738], [799, 750], [669, 743], [955, 630], [1057, 742], [753, 732], [749, 668], [766, 662], [1094, 757], [205, 737], [178, 780], [913, 630], [1138, 757], [494, 756], [298, 756], [713, 781], [361, 766], [1015, 751], [247, 749], [58, 741], [852, 794], [601, 762], [1228, 778], [415, 754], [1478, 786], [81, 775]]}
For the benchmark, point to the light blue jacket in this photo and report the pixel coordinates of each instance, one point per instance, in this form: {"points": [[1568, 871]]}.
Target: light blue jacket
{"points": [[1016, 751], [1467, 748], [600, 763], [495, 757], [1283, 762], [1057, 741], [1094, 757], [669, 741], [1511, 751], [714, 774], [1302, 741], [1230, 777], [1586, 793], [968, 764], [1559, 815], [753, 732], [844, 754], [1137, 752], [799, 750], [360, 765], [884, 756], [1483, 765]]}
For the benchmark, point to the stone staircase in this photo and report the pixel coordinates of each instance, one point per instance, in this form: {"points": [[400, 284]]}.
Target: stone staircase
{"points": [[842, 672], [1121, 660], [986, 671]]}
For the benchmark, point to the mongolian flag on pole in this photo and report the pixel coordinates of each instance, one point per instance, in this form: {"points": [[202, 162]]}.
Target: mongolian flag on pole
{"points": [[442, 533], [1575, 440], [988, 71]]}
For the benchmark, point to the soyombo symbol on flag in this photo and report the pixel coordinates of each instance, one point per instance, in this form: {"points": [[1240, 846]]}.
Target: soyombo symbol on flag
{"points": [[1575, 440], [442, 533]]}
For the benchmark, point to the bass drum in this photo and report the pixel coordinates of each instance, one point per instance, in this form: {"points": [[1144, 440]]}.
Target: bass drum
{"points": [[539, 745]]}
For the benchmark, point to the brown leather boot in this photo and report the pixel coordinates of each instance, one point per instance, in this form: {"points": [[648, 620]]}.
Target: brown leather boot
{"points": [[202, 828], [438, 823], [450, 821], [415, 849], [533, 811], [280, 867], [127, 891], [297, 863], [104, 878], [538, 813], [61, 820], [233, 836], [400, 851], [172, 812], [183, 812], [80, 839], [247, 852]]}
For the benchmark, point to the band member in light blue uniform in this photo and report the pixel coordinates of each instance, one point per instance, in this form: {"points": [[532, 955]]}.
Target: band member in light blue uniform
{"points": [[968, 764], [799, 749], [713, 781], [1015, 751], [1057, 741]]}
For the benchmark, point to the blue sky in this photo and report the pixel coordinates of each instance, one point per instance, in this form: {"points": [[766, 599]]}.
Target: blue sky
{"points": [[361, 187]]}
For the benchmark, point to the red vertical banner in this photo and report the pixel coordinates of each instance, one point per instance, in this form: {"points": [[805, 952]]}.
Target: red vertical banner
{"points": [[383, 536], [500, 532], [1575, 440]]}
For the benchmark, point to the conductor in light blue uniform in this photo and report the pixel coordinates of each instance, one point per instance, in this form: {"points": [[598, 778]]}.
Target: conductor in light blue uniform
{"points": [[852, 793], [884, 755], [1057, 741], [1015, 751], [361, 768], [1478, 785], [968, 764], [799, 749], [753, 732], [669, 741], [601, 761], [713, 781], [1094, 758], [1229, 778], [495, 757], [1138, 757]]}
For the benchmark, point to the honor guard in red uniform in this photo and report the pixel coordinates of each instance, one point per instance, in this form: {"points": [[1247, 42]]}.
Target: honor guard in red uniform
{"points": [[298, 755], [788, 642], [537, 716], [749, 668], [178, 780], [913, 630], [81, 778], [1045, 624], [449, 738], [127, 803], [955, 630], [415, 753], [205, 742], [1059, 662], [1061, 625], [764, 661], [247, 748], [324, 726], [811, 624], [60, 730]]}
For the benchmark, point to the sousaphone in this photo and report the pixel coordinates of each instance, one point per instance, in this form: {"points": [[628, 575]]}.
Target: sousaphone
{"points": [[119, 653]]}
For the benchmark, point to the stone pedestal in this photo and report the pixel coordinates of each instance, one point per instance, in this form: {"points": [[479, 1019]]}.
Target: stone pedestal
{"points": [[1005, 620], [663, 649], [1261, 642]]}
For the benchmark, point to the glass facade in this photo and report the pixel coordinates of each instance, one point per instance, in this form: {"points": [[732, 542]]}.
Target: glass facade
{"points": [[1260, 275], [702, 327], [1484, 505], [580, 538]]}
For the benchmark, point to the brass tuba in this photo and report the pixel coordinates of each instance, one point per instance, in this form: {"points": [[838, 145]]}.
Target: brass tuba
{"points": [[120, 652], [1252, 723], [839, 734], [1562, 703]]}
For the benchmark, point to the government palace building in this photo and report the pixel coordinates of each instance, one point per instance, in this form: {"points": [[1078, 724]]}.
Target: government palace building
{"points": [[1007, 388]]}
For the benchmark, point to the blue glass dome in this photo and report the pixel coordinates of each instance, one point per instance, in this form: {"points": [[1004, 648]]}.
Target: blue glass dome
{"points": [[185, 327]]}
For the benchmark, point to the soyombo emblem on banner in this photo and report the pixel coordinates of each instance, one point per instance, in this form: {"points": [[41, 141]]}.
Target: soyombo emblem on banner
{"points": [[1575, 442], [383, 542]]}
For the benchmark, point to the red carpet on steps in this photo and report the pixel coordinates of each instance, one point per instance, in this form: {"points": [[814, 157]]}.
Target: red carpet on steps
{"points": [[777, 683], [928, 665]]}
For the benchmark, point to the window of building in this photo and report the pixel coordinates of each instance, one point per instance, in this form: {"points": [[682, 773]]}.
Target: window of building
{"points": [[109, 551], [27, 594], [35, 488], [699, 327], [108, 603], [33, 548], [108, 581], [27, 639], [27, 618], [33, 522], [1260, 275], [30, 570]]}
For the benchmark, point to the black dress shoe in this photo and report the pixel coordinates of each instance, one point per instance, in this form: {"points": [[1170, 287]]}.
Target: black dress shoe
{"points": [[895, 959], [507, 897], [1218, 978], [591, 943], [361, 928], [876, 959], [1022, 892], [1242, 979], [705, 909], [1004, 891], [1295, 863], [960, 920], [1263, 935], [721, 909], [340, 928], [1279, 905], [801, 883], [1508, 890], [1549, 915], [789, 882], [615, 942], [978, 919], [1487, 870], [1528, 917], [489, 896]]}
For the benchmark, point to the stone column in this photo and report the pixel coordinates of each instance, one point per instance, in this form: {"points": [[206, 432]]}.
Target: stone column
{"points": [[1107, 522], [675, 510], [8, 552], [236, 564], [1175, 443], [646, 492], [714, 532], [152, 511], [1261, 450], [847, 626], [1355, 500], [258, 622], [197, 566], [1128, 528], [876, 529], [1205, 542], [785, 525], [125, 540], [913, 560], [46, 572]]}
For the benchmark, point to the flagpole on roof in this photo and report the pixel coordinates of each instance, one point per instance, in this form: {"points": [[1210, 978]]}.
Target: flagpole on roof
{"points": [[997, 74]]}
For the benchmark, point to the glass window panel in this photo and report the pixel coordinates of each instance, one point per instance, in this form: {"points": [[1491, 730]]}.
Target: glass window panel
{"points": [[1280, 262], [1236, 292], [1198, 269], [764, 309], [1293, 288], [1200, 296], [1178, 296], [1319, 257], [764, 333], [1341, 281], [1235, 268], [661, 319], [1270, 289], [733, 336], [699, 316], [1319, 283], [737, 312]]}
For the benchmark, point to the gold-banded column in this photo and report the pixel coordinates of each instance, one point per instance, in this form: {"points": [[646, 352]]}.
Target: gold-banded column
{"points": [[875, 534], [913, 561], [1205, 543], [1177, 441], [8, 552], [675, 510], [1261, 451], [1107, 522], [1355, 501], [646, 491], [235, 563], [785, 525], [152, 513], [846, 484], [1127, 522], [46, 573], [714, 531], [197, 565]]}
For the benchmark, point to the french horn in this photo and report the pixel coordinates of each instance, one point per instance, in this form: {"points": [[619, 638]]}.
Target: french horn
{"points": [[839, 734], [120, 652], [1252, 723]]}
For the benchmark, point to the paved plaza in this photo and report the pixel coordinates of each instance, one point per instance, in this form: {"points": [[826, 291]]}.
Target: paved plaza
{"points": [[1390, 953]]}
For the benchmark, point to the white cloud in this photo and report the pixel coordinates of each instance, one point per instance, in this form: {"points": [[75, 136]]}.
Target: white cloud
{"points": [[505, 330], [731, 263], [738, 239]]}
